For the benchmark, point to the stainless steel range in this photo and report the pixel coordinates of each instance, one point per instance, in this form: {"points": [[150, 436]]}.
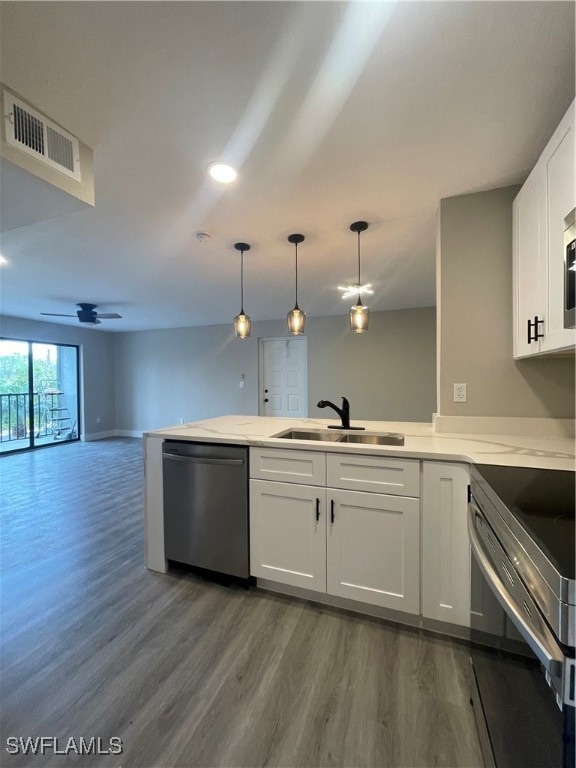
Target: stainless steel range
{"points": [[522, 535]]}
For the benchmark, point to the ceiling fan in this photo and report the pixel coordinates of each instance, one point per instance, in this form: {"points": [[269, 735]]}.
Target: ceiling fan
{"points": [[87, 314]]}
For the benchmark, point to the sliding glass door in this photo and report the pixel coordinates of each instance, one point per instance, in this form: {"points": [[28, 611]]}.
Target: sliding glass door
{"points": [[14, 394], [38, 394]]}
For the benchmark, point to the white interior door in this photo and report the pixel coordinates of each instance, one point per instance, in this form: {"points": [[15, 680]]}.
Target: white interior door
{"points": [[284, 377]]}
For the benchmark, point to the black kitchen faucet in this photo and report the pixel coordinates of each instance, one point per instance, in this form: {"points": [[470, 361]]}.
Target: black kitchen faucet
{"points": [[343, 412]]}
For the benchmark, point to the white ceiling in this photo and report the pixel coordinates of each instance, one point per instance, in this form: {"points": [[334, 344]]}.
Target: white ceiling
{"points": [[332, 112]]}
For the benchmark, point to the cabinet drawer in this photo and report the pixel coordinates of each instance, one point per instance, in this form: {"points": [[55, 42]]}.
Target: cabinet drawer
{"points": [[304, 467], [398, 477]]}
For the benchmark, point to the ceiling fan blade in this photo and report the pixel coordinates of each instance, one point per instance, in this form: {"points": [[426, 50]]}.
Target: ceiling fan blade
{"points": [[55, 314], [108, 315]]}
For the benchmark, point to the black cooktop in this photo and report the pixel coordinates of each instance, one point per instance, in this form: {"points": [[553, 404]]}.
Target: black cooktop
{"points": [[543, 501]]}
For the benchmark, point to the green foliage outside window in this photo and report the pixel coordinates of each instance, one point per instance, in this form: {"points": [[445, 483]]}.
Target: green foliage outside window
{"points": [[14, 380]]}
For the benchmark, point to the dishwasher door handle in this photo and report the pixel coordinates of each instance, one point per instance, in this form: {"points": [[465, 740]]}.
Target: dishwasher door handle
{"points": [[202, 460]]}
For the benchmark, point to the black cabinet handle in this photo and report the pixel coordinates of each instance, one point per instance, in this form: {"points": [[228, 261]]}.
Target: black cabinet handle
{"points": [[317, 510], [265, 399], [332, 511], [534, 332]]}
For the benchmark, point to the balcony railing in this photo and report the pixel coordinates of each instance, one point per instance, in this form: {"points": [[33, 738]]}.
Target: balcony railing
{"points": [[15, 417]]}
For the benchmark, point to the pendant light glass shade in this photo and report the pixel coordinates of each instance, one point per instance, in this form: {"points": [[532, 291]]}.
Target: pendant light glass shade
{"points": [[242, 326], [359, 314], [296, 318], [359, 317], [242, 322], [296, 321]]}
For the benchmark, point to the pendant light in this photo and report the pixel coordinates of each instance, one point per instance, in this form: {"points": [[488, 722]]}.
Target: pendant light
{"points": [[359, 314], [242, 322], [296, 318]]}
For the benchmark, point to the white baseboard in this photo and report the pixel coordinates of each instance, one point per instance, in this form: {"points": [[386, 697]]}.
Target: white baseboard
{"points": [[87, 438], [503, 425], [128, 433]]}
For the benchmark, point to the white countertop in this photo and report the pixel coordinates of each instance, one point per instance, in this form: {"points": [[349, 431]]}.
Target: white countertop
{"points": [[420, 441]]}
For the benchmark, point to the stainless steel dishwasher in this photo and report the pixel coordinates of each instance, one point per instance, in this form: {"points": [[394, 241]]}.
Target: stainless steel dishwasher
{"points": [[206, 506]]}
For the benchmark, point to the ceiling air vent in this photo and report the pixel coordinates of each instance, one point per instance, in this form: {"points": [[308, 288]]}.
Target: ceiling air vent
{"points": [[35, 134]]}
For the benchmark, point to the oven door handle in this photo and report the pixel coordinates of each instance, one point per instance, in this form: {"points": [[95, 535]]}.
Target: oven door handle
{"points": [[543, 643]]}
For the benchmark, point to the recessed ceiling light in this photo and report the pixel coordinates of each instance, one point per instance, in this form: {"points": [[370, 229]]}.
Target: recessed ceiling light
{"points": [[222, 172], [3, 260], [355, 290]]}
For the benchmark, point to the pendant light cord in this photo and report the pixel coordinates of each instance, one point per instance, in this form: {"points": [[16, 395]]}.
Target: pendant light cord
{"points": [[359, 283], [296, 245], [359, 302], [241, 282]]}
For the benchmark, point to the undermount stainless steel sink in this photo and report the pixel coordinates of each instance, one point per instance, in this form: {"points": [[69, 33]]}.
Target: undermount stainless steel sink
{"points": [[367, 438], [362, 438], [309, 434]]}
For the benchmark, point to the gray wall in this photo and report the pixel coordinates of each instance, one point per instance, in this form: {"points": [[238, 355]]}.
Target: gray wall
{"points": [[388, 374], [96, 365], [474, 299], [149, 379], [194, 373]]}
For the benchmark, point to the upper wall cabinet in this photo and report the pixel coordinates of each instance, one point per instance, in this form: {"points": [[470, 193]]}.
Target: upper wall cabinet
{"points": [[539, 210]]}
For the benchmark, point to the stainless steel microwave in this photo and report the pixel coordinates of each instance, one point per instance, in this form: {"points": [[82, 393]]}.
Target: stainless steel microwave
{"points": [[570, 270]]}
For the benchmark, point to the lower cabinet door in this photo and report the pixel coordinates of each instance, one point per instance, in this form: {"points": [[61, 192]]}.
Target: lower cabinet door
{"points": [[445, 546], [373, 549], [288, 533]]}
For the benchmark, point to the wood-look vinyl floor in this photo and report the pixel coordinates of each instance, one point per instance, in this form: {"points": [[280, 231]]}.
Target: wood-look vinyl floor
{"points": [[185, 671]]}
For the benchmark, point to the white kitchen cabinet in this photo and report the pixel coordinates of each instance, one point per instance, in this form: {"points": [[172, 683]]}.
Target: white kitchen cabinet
{"points": [[445, 545], [288, 533], [373, 549], [546, 198], [356, 544], [286, 466], [376, 474], [529, 237]]}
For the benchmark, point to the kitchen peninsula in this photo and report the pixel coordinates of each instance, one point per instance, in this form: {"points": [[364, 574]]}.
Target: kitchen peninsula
{"points": [[423, 521]]}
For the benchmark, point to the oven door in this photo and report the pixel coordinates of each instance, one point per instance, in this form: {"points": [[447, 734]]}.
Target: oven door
{"points": [[513, 653]]}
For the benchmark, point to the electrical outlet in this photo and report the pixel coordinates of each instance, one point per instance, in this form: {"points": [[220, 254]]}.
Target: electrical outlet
{"points": [[460, 393]]}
